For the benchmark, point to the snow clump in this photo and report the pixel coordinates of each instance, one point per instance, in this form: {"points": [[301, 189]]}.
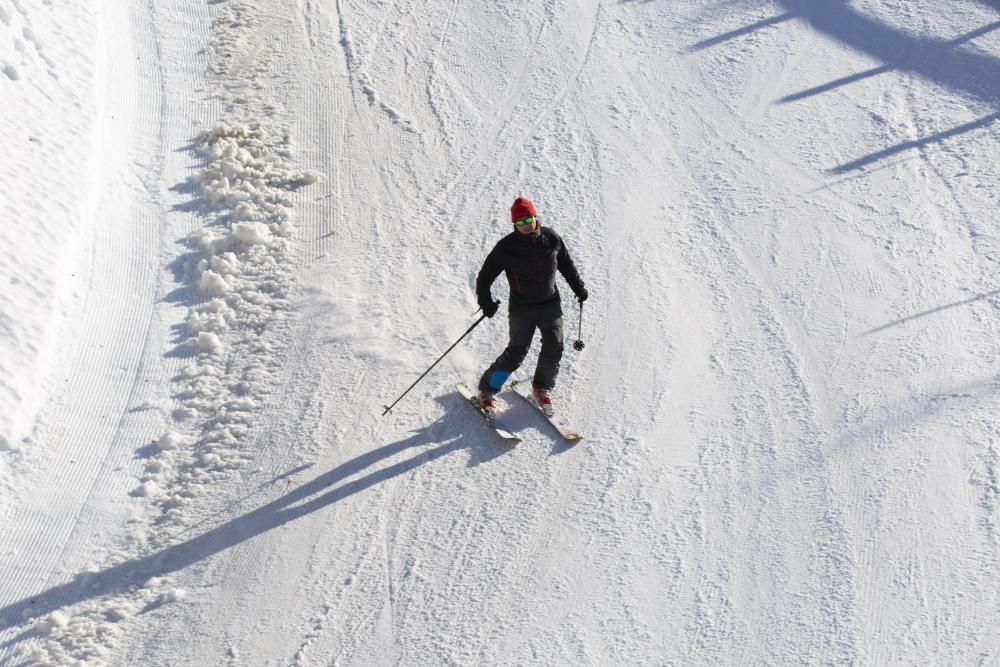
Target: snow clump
{"points": [[254, 233], [173, 595], [147, 489], [169, 441], [55, 620], [206, 341]]}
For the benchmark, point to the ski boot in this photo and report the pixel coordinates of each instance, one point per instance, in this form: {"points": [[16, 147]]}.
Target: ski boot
{"points": [[488, 404], [544, 401]]}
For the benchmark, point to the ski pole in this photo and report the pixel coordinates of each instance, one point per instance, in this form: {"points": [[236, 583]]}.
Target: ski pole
{"points": [[578, 344], [388, 408]]}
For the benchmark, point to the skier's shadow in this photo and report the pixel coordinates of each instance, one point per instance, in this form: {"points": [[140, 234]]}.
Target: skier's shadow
{"points": [[520, 417], [449, 433]]}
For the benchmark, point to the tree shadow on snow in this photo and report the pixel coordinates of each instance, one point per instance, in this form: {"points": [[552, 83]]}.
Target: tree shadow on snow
{"points": [[898, 419], [740, 32], [988, 296], [974, 75], [449, 434]]}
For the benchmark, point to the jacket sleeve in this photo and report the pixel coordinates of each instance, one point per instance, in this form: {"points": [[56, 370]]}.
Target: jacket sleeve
{"points": [[492, 268], [568, 269]]}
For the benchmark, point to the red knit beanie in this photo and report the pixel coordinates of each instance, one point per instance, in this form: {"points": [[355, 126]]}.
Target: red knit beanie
{"points": [[521, 208]]}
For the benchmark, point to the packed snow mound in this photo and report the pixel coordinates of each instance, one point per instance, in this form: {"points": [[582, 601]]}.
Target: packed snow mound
{"points": [[244, 268]]}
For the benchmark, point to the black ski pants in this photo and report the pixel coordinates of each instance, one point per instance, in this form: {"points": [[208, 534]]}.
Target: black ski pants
{"points": [[547, 319]]}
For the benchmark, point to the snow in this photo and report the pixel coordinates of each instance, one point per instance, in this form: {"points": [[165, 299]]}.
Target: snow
{"points": [[233, 231], [49, 122]]}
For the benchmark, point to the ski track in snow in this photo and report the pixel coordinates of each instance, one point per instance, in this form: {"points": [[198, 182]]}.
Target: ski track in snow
{"points": [[788, 393]]}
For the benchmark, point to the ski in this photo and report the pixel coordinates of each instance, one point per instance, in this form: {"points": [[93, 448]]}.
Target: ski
{"points": [[523, 389], [470, 398]]}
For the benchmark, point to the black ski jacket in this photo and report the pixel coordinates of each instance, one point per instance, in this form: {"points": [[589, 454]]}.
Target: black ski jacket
{"points": [[530, 263]]}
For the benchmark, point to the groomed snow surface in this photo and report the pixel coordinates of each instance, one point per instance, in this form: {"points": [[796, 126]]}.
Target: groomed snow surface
{"points": [[233, 231]]}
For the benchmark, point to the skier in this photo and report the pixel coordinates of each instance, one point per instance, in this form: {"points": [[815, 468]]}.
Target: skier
{"points": [[530, 256]]}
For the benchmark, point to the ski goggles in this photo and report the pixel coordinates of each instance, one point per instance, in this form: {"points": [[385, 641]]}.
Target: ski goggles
{"points": [[525, 222]]}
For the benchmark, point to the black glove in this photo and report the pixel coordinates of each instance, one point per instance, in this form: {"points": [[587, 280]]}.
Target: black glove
{"points": [[581, 294], [489, 307]]}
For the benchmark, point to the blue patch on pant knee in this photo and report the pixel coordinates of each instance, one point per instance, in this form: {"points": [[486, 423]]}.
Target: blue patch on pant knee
{"points": [[497, 378]]}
